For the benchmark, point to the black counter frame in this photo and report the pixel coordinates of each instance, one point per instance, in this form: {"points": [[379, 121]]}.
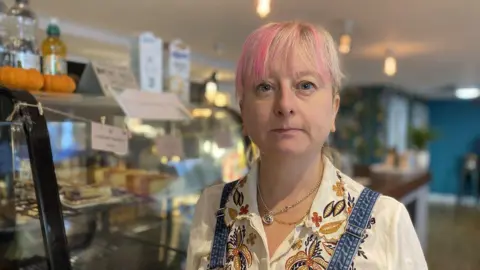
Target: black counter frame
{"points": [[43, 174]]}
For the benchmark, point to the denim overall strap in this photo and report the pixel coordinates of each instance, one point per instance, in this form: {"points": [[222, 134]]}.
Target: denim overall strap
{"points": [[219, 245], [348, 244]]}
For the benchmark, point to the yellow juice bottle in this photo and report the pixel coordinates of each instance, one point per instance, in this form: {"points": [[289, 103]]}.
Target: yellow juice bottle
{"points": [[54, 51]]}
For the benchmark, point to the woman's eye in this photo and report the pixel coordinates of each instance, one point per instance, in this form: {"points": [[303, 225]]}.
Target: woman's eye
{"points": [[264, 87], [306, 86]]}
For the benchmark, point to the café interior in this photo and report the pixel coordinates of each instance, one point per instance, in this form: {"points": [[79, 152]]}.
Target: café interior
{"points": [[408, 124]]}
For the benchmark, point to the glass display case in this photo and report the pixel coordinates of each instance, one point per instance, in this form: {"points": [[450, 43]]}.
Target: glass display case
{"points": [[65, 205]]}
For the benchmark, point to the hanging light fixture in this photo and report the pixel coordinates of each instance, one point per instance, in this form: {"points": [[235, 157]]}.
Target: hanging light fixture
{"points": [[263, 8], [345, 42], [390, 65], [211, 88]]}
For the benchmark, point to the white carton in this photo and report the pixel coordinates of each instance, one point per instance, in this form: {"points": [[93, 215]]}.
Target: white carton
{"points": [[177, 69], [147, 60]]}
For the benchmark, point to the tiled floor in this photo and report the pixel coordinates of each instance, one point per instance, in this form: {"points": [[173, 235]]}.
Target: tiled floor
{"points": [[454, 238]]}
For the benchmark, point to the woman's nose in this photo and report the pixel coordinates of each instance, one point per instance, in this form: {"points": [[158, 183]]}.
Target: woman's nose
{"points": [[285, 103], [284, 112]]}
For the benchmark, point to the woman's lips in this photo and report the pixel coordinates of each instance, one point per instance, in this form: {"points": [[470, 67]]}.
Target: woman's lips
{"points": [[286, 130]]}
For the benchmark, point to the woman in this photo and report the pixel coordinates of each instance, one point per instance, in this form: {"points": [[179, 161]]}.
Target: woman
{"points": [[294, 209]]}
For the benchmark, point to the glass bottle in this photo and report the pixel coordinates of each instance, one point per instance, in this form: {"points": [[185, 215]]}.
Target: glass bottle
{"points": [[54, 51], [3, 30], [21, 44]]}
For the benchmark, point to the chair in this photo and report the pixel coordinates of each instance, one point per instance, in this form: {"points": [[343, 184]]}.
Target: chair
{"points": [[470, 176]]}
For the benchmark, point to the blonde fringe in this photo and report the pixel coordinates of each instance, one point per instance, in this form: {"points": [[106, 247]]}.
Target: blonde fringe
{"points": [[332, 59]]}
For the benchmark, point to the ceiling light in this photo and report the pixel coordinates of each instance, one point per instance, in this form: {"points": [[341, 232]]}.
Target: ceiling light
{"points": [[263, 8], [390, 65], [345, 43], [211, 88], [467, 93]]}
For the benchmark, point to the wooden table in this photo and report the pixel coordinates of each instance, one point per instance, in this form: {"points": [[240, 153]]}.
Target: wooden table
{"points": [[410, 189], [398, 186]]}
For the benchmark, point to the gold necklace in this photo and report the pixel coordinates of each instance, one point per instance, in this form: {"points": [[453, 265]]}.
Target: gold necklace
{"points": [[294, 222], [268, 217]]}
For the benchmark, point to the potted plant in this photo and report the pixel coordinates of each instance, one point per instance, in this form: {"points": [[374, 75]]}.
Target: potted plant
{"points": [[419, 139]]}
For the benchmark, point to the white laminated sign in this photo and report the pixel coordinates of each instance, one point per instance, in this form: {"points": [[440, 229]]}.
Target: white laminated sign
{"points": [[223, 138], [152, 106], [169, 146], [113, 77], [109, 139]]}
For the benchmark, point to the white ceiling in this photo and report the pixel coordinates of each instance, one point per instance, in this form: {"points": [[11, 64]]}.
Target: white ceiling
{"points": [[436, 42]]}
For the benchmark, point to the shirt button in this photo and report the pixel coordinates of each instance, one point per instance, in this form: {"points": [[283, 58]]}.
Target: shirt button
{"points": [[308, 223]]}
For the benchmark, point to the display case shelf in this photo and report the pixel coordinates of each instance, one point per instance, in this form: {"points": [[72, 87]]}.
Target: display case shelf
{"points": [[75, 100], [142, 203], [81, 105]]}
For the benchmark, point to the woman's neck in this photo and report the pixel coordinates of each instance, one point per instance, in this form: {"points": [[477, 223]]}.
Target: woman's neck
{"points": [[285, 180]]}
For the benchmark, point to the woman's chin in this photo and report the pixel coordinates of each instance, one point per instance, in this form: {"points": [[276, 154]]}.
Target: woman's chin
{"points": [[287, 149]]}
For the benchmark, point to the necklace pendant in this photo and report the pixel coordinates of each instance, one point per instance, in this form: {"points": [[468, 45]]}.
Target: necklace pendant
{"points": [[267, 219]]}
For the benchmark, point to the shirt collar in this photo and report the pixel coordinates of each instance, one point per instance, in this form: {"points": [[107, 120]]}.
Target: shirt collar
{"points": [[242, 202], [326, 214], [327, 207]]}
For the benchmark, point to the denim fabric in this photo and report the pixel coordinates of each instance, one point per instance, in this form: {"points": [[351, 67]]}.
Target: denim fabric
{"points": [[354, 232], [219, 245]]}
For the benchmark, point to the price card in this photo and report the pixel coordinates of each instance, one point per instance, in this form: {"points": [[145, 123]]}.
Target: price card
{"points": [[169, 146], [104, 78], [223, 138], [152, 106], [109, 138], [114, 77], [25, 170]]}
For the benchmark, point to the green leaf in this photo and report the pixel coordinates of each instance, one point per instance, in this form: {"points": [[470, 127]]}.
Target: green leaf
{"points": [[420, 137]]}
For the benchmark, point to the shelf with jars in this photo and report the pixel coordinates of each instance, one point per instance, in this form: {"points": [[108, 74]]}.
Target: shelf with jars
{"points": [[23, 63]]}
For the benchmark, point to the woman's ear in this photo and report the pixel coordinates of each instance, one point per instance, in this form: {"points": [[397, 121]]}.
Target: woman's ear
{"points": [[336, 107], [244, 131]]}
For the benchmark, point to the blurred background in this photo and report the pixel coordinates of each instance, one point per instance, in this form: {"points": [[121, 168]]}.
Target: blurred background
{"points": [[141, 113]]}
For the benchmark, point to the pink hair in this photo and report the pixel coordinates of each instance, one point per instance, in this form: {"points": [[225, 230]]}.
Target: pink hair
{"points": [[275, 44]]}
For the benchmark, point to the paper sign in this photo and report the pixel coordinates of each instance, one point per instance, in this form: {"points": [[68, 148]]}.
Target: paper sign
{"points": [[223, 138], [169, 146], [152, 106], [25, 170], [113, 77], [110, 139]]}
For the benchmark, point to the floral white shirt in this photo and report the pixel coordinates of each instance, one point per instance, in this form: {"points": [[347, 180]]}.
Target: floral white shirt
{"points": [[390, 241]]}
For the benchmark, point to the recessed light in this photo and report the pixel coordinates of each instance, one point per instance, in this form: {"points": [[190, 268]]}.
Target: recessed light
{"points": [[467, 93]]}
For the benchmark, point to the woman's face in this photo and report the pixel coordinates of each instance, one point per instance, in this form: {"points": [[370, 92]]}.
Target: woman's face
{"points": [[291, 112]]}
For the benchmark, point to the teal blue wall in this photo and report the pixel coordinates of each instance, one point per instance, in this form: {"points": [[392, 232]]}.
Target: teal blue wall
{"points": [[458, 124]]}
